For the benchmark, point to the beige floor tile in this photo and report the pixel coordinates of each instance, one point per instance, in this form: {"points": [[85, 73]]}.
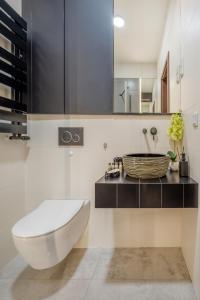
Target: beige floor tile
{"points": [[173, 291], [102, 274], [79, 264], [13, 269], [101, 290], [130, 290], [43, 289]]}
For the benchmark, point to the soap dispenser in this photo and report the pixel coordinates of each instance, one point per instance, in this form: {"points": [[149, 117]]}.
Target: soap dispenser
{"points": [[183, 166]]}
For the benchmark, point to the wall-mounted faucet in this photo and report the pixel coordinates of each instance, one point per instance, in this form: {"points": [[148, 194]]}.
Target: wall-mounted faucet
{"points": [[144, 130], [154, 132]]}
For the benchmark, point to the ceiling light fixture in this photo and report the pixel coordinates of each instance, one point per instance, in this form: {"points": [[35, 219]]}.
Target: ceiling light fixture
{"points": [[119, 22]]}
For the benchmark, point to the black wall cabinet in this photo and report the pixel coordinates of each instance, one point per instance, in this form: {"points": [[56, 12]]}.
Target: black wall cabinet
{"points": [[70, 56], [46, 55]]}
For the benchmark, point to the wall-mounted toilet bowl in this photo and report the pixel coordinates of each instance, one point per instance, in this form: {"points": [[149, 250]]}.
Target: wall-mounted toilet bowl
{"points": [[45, 236]]}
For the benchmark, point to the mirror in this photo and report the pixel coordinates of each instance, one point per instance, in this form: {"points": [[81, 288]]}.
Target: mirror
{"points": [[147, 56]]}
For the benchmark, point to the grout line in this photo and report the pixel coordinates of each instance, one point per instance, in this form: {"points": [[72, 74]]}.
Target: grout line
{"points": [[92, 277], [84, 297], [117, 200], [139, 194], [161, 192], [98, 260]]}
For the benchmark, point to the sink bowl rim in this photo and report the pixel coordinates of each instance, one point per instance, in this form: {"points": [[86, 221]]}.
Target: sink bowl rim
{"points": [[145, 155]]}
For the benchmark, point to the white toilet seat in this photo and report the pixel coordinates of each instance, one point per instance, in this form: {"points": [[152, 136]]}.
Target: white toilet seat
{"points": [[47, 218], [46, 236]]}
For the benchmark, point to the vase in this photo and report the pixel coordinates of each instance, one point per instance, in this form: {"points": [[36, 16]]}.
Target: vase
{"points": [[174, 166]]}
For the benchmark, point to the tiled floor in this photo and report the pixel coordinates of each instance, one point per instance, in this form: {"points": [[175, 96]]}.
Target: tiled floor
{"points": [[102, 274]]}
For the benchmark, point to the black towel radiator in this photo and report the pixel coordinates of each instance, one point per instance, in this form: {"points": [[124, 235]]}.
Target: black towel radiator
{"points": [[13, 72]]}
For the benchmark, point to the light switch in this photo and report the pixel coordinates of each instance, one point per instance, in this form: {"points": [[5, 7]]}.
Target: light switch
{"points": [[195, 119]]}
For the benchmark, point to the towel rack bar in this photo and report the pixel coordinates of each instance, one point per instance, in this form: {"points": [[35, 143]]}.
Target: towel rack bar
{"points": [[13, 38], [11, 128], [12, 116], [13, 26], [9, 69], [11, 104], [6, 80], [20, 63], [12, 13]]}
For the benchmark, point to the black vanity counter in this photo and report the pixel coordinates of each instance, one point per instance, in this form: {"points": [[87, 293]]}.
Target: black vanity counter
{"points": [[171, 191]]}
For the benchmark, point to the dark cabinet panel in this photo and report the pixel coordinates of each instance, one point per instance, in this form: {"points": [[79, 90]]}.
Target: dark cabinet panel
{"points": [[128, 195], [172, 195], [89, 56], [191, 195], [46, 64], [150, 195], [105, 196]]}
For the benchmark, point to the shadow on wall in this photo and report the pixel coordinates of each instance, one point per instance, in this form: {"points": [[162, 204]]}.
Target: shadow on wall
{"points": [[12, 151]]}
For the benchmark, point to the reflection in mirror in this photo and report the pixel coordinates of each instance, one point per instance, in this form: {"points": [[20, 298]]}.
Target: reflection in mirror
{"points": [[148, 95], [147, 56]]}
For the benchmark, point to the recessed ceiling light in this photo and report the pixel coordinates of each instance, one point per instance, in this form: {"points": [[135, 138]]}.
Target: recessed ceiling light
{"points": [[119, 22]]}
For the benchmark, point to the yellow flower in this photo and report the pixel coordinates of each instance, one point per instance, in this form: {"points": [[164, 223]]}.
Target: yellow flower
{"points": [[176, 130]]}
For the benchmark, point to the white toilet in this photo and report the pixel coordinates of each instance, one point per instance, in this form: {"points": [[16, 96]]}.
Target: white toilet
{"points": [[45, 236]]}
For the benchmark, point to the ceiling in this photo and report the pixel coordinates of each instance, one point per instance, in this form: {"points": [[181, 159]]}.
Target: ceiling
{"points": [[139, 41]]}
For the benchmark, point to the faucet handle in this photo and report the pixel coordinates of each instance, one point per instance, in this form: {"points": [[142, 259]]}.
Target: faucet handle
{"points": [[153, 131], [144, 130]]}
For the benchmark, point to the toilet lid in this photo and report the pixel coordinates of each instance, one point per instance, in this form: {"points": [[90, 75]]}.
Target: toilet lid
{"points": [[48, 217]]}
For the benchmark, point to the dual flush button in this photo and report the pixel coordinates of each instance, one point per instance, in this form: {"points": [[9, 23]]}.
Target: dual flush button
{"points": [[70, 136]]}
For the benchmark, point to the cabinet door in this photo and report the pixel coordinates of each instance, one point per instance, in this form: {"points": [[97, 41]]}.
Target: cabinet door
{"points": [[89, 56], [46, 38]]}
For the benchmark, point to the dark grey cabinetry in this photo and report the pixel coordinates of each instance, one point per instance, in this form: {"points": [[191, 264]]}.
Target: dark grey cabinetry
{"points": [[170, 191], [46, 55], [105, 196], [71, 56]]}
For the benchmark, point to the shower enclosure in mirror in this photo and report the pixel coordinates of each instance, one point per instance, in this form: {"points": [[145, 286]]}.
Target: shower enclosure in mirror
{"points": [[147, 56]]}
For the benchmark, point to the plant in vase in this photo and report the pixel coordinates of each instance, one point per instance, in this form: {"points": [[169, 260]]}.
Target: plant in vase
{"points": [[176, 132], [174, 165]]}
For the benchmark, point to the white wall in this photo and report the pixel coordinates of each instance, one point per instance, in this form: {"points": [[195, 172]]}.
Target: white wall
{"points": [[12, 183], [190, 90], [171, 43], [12, 193], [135, 70], [183, 41], [53, 173], [16, 4]]}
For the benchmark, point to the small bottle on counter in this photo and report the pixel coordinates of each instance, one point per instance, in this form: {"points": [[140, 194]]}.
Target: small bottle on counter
{"points": [[109, 167], [183, 166], [121, 168], [116, 165]]}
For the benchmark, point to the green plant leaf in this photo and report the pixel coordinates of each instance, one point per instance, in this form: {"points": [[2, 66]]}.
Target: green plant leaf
{"points": [[172, 155]]}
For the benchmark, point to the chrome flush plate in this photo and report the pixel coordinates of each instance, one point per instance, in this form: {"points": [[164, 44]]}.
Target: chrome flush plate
{"points": [[70, 136]]}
